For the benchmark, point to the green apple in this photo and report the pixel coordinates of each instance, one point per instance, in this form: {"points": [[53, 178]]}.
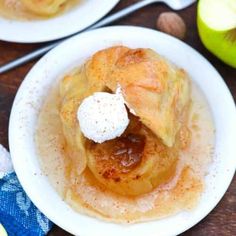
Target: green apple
{"points": [[216, 21]]}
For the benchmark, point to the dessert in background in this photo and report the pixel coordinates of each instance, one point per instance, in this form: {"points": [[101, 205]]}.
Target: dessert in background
{"points": [[44, 7], [34, 9]]}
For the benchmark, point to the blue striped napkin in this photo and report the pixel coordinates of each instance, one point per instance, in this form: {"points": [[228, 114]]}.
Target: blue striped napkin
{"points": [[18, 215]]}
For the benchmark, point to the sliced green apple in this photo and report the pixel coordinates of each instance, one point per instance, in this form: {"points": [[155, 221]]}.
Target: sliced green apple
{"points": [[217, 28]]}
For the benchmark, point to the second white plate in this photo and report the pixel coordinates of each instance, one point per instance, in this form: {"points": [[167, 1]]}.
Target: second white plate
{"points": [[81, 16]]}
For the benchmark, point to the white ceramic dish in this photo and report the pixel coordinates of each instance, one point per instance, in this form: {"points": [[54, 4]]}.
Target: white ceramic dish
{"points": [[72, 53], [78, 18]]}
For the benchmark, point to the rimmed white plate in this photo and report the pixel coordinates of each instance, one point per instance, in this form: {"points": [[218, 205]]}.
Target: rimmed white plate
{"points": [[78, 18], [73, 52]]}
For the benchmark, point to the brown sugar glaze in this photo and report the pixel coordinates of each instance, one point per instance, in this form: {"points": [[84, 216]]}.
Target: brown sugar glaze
{"points": [[123, 153], [85, 194], [126, 154], [128, 151]]}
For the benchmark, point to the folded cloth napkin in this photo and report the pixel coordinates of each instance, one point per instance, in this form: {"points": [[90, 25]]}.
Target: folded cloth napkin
{"points": [[18, 215]]}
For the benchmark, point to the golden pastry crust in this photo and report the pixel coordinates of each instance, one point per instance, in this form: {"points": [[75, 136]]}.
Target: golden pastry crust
{"points": [[156, 90], [158, 93]]}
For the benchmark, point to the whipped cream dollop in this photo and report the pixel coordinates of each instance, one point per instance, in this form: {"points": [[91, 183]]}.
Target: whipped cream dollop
{"points": [[103, 116], [119, 92]]}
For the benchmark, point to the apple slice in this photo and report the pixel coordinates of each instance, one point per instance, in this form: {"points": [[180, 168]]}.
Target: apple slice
{"points": [[217, 28]]}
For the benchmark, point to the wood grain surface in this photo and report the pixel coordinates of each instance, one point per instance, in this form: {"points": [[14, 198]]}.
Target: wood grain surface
{"points": [[222, 220]]}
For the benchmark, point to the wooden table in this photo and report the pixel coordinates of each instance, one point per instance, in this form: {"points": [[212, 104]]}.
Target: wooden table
{"points": [[222, 220]]}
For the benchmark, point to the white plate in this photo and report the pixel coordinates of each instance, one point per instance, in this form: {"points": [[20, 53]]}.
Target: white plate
{"points": [[72, 53], [78, 18]]}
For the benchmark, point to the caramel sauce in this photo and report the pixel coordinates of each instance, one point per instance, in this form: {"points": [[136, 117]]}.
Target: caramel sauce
{"points": [[128, 151], [122, 154]]}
